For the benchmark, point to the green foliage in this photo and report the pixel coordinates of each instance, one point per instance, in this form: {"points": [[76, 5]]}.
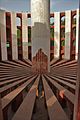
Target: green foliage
{"points": [[18, 33], [19, 43], [74, 43], [29, 32], [51, 33], [7, 44], [62, 32], [51, 43], [63, 22], [51, 24], [62, 43], [74, 21]]}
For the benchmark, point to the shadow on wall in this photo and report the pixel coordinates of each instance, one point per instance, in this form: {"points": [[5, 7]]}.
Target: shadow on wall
{"points": [[7, 43], [40, 36], [68, 46], [2, 43]]}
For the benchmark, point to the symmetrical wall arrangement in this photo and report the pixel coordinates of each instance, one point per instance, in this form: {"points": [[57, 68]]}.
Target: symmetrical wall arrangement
{"points": [[14, 45], [14, 38], [64, 35]]}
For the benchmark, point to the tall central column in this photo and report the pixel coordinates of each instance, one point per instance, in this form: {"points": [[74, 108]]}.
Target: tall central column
{"points": [[40, 17]]}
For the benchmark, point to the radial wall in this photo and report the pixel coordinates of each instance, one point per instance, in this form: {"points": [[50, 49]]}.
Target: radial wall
{"points": [[3, 34]]}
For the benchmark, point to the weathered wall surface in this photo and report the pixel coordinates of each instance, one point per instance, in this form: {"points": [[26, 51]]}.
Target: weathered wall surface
{"points": [[40, 13], [3, 34]]}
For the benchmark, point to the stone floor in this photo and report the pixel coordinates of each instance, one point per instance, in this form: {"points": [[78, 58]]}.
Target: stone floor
{"points": [[41, 111], [40, 108]]}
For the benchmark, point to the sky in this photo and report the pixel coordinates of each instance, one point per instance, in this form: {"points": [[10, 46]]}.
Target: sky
{"points": [[24, 5]]}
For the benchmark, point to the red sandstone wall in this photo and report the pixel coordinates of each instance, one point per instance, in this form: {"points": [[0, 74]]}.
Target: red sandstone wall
{"points": [[40, 62]]}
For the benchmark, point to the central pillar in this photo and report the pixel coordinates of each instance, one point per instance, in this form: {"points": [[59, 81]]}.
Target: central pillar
{"points": [[40, 34]]}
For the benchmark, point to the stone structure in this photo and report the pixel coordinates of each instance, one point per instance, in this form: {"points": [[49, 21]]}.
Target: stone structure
{"points": [[14, 36], [11, 49], [40, 41], [77, 93], [1, 114], [24, 36], [40, 13], [77, 33], [57, 35], [40, 62], [3, 34], [67, 54]]}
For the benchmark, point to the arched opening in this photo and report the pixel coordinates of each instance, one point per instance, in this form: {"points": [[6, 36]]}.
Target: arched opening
{"points": [[73, 43], [52, 21], [62, 35], [18, 21], [63, 20], [51, 38], [74, 33], [19, 37], [29, 21], [74, 20], [8, 36], [74, 27], [29, 39]]}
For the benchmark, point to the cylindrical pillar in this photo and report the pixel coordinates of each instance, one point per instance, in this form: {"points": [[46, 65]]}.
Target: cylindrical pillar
{"points": [[40, 17]]}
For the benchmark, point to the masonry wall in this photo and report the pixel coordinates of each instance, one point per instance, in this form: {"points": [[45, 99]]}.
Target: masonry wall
{"points": [[3, 35], [11, 50]]}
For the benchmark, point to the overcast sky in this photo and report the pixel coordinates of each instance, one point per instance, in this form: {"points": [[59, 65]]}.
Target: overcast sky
{"points": [[24, 5]]}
